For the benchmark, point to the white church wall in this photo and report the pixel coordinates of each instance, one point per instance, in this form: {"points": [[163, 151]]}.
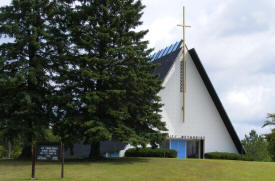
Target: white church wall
{"points": [[202, 117]]}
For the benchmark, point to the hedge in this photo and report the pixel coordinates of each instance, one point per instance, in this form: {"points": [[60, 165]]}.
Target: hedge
{"points": [[150, 152], [227, 156]]}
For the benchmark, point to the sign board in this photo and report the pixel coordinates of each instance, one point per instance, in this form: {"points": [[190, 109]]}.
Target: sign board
{"points": [[48, 152]]}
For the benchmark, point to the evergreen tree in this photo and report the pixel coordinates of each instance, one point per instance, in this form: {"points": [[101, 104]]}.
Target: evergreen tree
{"points": [[271, 144], [256, 146], [27, 65], [271, 136], [110, 78]]}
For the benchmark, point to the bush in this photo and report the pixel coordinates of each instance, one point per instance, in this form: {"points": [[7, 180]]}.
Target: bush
{"points": [[150, 152], [227, 156]]}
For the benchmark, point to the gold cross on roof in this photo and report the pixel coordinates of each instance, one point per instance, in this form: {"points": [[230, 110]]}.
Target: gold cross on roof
{"points": [[184, 65]]}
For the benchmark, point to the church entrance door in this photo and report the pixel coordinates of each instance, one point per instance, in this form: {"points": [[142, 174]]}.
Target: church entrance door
{"points": [[180, 147]]}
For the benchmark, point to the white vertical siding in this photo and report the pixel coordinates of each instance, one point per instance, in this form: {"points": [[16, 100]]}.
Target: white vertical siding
{"points": [[202, 117]]}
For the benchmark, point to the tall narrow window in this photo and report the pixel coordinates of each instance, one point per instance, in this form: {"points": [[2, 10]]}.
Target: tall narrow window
{"points": [[181, 76]]}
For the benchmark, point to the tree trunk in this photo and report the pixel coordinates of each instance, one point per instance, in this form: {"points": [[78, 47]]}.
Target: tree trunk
{"points": [[26, 152], [95, 150], [9, 149], [27, 149]]}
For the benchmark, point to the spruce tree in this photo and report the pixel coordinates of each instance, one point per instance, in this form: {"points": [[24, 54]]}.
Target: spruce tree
{"points": [[114, 90], [27, 67]]}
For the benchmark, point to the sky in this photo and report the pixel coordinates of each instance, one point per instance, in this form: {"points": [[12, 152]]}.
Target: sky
{"points": [[236, 44]]}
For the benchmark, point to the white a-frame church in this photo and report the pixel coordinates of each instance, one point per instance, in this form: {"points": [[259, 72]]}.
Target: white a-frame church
{"points": [[194, 115], [205, 126]]}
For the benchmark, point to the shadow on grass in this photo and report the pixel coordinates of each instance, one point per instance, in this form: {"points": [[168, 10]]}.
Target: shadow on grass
{"points": [[12, 162], [115, 161]]}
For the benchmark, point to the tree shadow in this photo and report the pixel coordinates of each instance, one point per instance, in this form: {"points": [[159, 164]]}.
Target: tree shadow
{"points": [[126, 160], [123, 160], [114, 161], [84, 162]]}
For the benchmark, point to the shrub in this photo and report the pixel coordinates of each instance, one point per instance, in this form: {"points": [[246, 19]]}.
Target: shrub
{"points": [[227, 156], [150, 152]]}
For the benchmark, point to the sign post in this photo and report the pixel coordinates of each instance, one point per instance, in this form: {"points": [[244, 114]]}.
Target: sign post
{"points": [[62, 160], [33, 160]]}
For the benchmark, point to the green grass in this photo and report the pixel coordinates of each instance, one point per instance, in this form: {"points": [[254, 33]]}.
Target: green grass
{"points": [[143, 169]]}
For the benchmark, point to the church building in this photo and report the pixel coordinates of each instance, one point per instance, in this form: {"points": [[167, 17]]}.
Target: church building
{"points": [[204, 126]]}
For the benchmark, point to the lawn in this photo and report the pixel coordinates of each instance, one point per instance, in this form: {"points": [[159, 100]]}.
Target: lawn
{"points": [[142, 169]]}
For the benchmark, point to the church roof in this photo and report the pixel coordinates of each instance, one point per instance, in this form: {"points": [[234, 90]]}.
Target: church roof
{"points": [[167, 50], [166, 62]]}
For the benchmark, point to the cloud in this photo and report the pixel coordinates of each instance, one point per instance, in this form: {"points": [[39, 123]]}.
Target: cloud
{"points": [[163, 26], [247, 103], [247, 127], [5, 2]]}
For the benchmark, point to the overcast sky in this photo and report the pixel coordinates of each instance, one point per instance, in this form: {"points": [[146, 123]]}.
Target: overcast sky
{"points": [[235, 40]]}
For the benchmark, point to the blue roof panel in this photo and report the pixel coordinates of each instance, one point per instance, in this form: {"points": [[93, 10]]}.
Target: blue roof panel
{"points": [[158, 54], [166, 51], [170, 49], [175, 46], [163, 52]]}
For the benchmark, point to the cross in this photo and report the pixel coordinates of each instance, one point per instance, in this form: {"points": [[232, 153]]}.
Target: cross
{"points": [[184, 26]]}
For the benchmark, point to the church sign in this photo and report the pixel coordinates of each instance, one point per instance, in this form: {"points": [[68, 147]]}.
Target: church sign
{"points": [[48, 152]]}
